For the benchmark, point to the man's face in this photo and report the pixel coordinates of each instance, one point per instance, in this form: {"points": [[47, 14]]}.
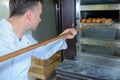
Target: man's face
{"points": [[36, 17]]}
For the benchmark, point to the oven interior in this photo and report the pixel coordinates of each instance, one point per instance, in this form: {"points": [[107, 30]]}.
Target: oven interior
{"points": [[103, 32], [114, 14]]}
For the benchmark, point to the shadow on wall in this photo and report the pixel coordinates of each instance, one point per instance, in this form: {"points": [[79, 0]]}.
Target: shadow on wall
{"points": [[48, 27]]}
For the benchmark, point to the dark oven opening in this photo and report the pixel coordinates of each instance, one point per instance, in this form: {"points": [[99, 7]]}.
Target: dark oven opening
{"points": [[114, 14], [101, 40]]}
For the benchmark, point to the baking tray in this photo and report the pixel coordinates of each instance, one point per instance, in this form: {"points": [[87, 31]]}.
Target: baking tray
{"points": [[97, 24], [91, 71]]}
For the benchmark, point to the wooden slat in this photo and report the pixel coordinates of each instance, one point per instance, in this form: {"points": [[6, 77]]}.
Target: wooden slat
{"points": [[45, 63], [43, 73]]}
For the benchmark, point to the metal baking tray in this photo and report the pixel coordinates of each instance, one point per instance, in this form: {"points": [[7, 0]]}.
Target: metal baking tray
{"points": [[97, 24], [87, 70]]}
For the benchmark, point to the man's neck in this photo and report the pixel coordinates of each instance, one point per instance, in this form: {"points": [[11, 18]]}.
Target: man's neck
{"points": [[18, 27]]}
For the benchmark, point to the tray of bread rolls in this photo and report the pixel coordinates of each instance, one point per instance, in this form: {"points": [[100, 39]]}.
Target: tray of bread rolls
{"points": [[97, 21]]}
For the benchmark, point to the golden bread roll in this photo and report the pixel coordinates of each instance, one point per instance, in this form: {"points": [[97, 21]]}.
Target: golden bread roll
{"points": [[103, 20], [89, 20], [93, 20], [83, 21], [109, 19], [98, 20]]}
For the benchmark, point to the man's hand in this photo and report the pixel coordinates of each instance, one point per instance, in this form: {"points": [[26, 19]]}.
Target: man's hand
{"points": [[72, 35]]}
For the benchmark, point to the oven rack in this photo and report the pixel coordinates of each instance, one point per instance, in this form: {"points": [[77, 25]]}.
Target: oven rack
{"points": [[96, 25], [103, 60], [100, 42]]}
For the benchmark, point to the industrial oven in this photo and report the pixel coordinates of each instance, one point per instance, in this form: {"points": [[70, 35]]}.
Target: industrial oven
{"points": [[97, 47]]}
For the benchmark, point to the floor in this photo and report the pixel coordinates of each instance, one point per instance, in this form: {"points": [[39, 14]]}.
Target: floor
{"points": [[53, 77]]}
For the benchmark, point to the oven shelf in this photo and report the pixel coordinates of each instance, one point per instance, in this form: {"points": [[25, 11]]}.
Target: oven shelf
{"points": [[100, 7], [113, 25], [108, 43], [103, 60]]}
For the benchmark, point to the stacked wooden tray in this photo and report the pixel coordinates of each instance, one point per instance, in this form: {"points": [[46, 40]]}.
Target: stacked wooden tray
{"points": [[43, 69]]}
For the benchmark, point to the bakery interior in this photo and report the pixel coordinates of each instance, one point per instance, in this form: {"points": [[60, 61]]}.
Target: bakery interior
{"points": [[94, 54]]}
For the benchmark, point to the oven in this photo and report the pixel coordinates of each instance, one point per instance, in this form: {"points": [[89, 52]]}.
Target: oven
{"points": [[97, 47]]}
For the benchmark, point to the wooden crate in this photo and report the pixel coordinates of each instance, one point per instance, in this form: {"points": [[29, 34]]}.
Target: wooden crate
{"points": [[47, 62], [43, 69]]}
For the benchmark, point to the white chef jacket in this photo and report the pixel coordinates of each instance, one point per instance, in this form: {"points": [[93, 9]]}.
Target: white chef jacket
{"points": [[17, 67]]}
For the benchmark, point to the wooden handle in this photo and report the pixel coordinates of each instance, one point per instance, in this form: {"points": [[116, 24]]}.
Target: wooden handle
{"points": [[22, 51]]}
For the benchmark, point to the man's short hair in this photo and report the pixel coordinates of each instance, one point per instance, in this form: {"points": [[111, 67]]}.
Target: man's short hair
{"points": [[19, 7]]}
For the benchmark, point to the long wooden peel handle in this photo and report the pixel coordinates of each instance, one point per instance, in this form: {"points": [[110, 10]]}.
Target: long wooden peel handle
{"points": [[22, 51], [82, 28]]}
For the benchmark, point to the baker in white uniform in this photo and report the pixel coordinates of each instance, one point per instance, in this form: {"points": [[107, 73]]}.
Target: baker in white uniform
{"points": [[15, 33]]}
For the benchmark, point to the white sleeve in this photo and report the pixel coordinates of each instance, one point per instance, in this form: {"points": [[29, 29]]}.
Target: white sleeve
{"points": [[48, 50]]}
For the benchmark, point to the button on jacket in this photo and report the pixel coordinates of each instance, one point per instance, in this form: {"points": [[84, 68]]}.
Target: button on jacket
{"points": [[17, 67]]}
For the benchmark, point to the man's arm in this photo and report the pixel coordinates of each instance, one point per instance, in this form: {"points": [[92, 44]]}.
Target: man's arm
{"points": [[48, 50]]}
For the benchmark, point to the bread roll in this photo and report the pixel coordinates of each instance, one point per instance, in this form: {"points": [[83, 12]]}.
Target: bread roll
{"points": [[89, 20], [98, 20], [103, 20], [109, 20], [83, 21], [93, 20]]}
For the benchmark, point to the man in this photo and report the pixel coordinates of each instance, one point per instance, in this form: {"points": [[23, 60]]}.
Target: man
{"points": [[15, 34]]}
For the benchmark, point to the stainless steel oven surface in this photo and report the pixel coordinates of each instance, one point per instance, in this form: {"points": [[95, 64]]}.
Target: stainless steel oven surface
{"points": [[97, 47]]}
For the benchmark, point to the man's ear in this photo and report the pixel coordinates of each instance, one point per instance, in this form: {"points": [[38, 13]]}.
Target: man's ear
{"points": [[29, 14]]}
